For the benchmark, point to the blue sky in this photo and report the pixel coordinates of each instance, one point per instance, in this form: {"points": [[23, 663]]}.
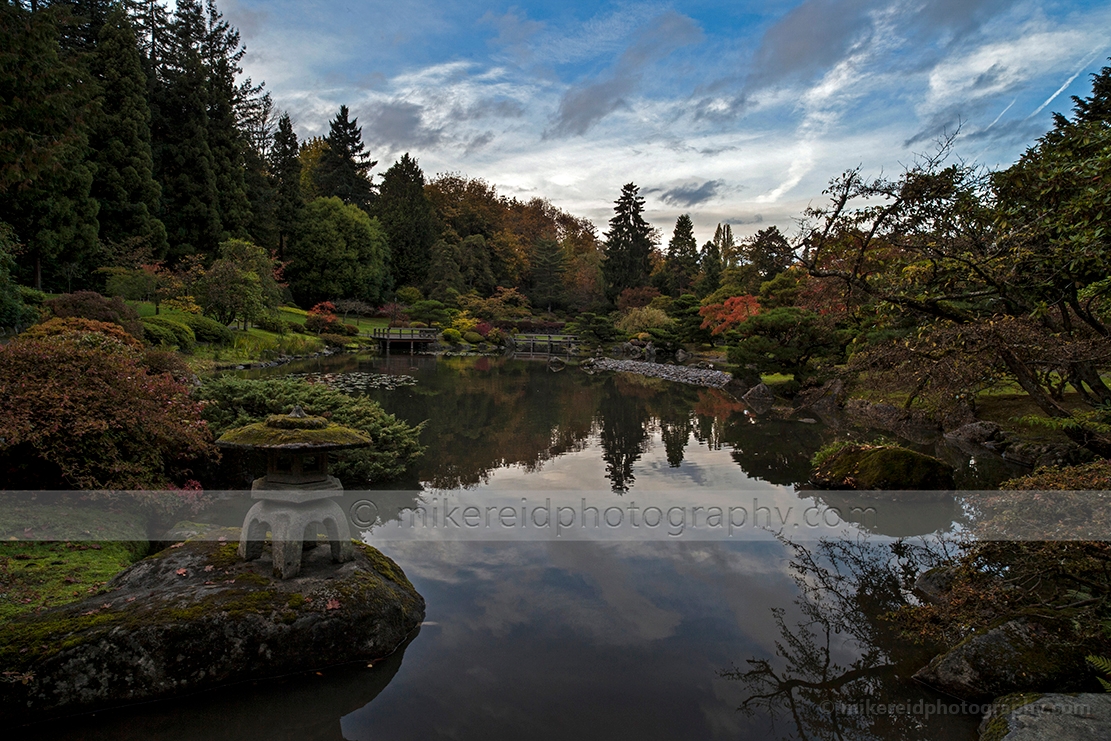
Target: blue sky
{"points": [[730, 111]]}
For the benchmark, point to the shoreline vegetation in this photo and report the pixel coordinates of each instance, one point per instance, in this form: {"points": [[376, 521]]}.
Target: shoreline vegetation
{"points": [[964, 302]]}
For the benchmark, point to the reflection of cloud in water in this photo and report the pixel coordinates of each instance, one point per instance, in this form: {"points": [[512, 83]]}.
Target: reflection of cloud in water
{"points": [[581, 640]]}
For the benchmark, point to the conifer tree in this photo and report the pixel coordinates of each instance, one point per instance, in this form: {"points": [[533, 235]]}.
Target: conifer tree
{"points": [[682, 256], [45, 175], [124, 184], [285, 174], [344, 167], [445, 281], [629, 244], [548, 264], [727, 247], [711, 262], [409, 220], [180, 127]]}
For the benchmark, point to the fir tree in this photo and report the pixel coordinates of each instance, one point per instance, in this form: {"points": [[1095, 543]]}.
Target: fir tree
{"points": [[682, 256], [222, 52], [727, 247], [445, 281], [45, 176], [183, 160], [344, 167], [124, 184], [409, 221], [711, 261], [548, 267], [629, 244], [285, 174]]}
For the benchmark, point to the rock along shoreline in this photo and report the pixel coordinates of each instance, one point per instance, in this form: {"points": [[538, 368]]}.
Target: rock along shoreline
{"points": [[677, 373]]}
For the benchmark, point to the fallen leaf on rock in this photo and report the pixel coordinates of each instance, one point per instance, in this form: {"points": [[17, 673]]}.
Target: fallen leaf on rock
{"points": [[177, 545], [181, 572], [210, 567], [333, 604]]}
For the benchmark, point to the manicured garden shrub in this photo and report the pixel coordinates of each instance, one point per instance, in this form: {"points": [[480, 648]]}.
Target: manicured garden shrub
{"points": [[351, 330], [183, 336], [91, 305], [205, 329], [644, 318], [335, 340], [74, 325], [452, 336], [473, 337], [232, 402], [158, 335]]}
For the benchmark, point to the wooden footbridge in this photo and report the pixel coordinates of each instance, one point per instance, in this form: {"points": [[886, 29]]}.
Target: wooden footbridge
{"points": [[411, 336], [542, 344]]}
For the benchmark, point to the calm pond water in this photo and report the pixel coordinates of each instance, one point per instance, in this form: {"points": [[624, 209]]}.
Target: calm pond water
{"points": [[631, 635]]}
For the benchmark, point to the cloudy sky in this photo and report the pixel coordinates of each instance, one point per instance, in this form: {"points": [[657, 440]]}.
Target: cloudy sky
{"points": [[731, 111]]}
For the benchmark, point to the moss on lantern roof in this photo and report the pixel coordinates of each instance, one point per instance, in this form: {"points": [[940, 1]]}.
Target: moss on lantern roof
{"points": [[294, 431]]}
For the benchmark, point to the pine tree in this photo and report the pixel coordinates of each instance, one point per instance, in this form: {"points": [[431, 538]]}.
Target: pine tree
{"points": [[682, 256], [769, 252], [629, 244], [45, 176], [344, 167], [445, 280], [409, 221], [124, 184], [285, 173]]}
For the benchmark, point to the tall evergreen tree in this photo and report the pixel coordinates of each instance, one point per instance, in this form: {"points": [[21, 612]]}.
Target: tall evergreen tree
{"points": [[222, 53], [711, 262], [45, 176], [445, 280], [727, 247], [548, 264], [285, 173], [682, 256], [344, 167], [180, 127], [409, 221], [769, 252], [124, 184], [629, 244]]}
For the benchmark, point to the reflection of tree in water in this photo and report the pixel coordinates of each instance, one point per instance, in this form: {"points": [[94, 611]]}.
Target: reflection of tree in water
{"points": [[843, 654], [624, 418]]}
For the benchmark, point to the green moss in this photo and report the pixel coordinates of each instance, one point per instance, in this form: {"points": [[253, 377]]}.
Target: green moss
{"points": [[883, 467], [261, 434], [385, 565], [296, 601], [997, 728], [225, 556]]}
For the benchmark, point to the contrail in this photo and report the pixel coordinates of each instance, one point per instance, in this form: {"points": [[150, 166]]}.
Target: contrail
{"points": [[1061, 89], [993, 123]]}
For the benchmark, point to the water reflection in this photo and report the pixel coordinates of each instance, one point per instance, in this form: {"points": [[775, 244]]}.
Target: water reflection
{"points": [[842, 670]]}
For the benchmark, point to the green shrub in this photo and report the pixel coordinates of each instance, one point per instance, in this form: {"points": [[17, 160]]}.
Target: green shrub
{"points": [[409, 295], [272, 323], [335, 340], [91, 305], [452, 336], [205, 329], [233, 402], [473, 337], [183, 335], [156, 334], [351, 330]]}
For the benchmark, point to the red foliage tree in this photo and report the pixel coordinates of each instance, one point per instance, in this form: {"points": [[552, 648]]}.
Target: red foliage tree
{"points": [[725, 316], [81, 411]]}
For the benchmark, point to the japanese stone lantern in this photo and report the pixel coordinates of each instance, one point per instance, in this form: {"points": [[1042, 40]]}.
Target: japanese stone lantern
{"points": [[294, 495]]}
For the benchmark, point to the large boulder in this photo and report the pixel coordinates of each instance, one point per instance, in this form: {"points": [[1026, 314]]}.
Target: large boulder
{"points": [[759, 398], [1051, 717], [194, 616], [883, 467], [1020, 655]]}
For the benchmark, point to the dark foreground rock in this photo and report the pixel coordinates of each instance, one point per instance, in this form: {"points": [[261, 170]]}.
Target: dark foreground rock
{"points": [[1021, 655], [886, 467], [1052, 717], [193, 617]]}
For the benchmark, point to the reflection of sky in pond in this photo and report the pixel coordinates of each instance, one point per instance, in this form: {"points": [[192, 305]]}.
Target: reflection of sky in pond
{"points": [[572, 640]]}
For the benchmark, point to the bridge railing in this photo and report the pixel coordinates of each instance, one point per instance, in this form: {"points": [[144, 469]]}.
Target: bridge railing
{"points": [[405, 333]]}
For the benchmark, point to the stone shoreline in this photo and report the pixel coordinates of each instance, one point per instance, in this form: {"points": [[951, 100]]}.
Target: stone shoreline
{"points": [[677, 373]]}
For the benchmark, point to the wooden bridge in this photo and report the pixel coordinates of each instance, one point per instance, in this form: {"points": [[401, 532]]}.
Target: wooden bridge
{"points": [[411, 336], [542, 344]]}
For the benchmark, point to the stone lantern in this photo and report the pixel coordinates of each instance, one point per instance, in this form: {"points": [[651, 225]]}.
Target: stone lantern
{"points": [[294, 497]]}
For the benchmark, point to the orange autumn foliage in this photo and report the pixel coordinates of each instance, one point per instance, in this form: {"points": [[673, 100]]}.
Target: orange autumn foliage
{"points": [[728, 314]]}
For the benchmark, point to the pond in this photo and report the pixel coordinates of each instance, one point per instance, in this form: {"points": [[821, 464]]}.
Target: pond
{"points": [[622, 632]]}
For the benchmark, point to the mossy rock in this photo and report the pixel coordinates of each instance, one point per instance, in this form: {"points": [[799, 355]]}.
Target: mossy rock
{"points": [[886, 467], [194, 616]]}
